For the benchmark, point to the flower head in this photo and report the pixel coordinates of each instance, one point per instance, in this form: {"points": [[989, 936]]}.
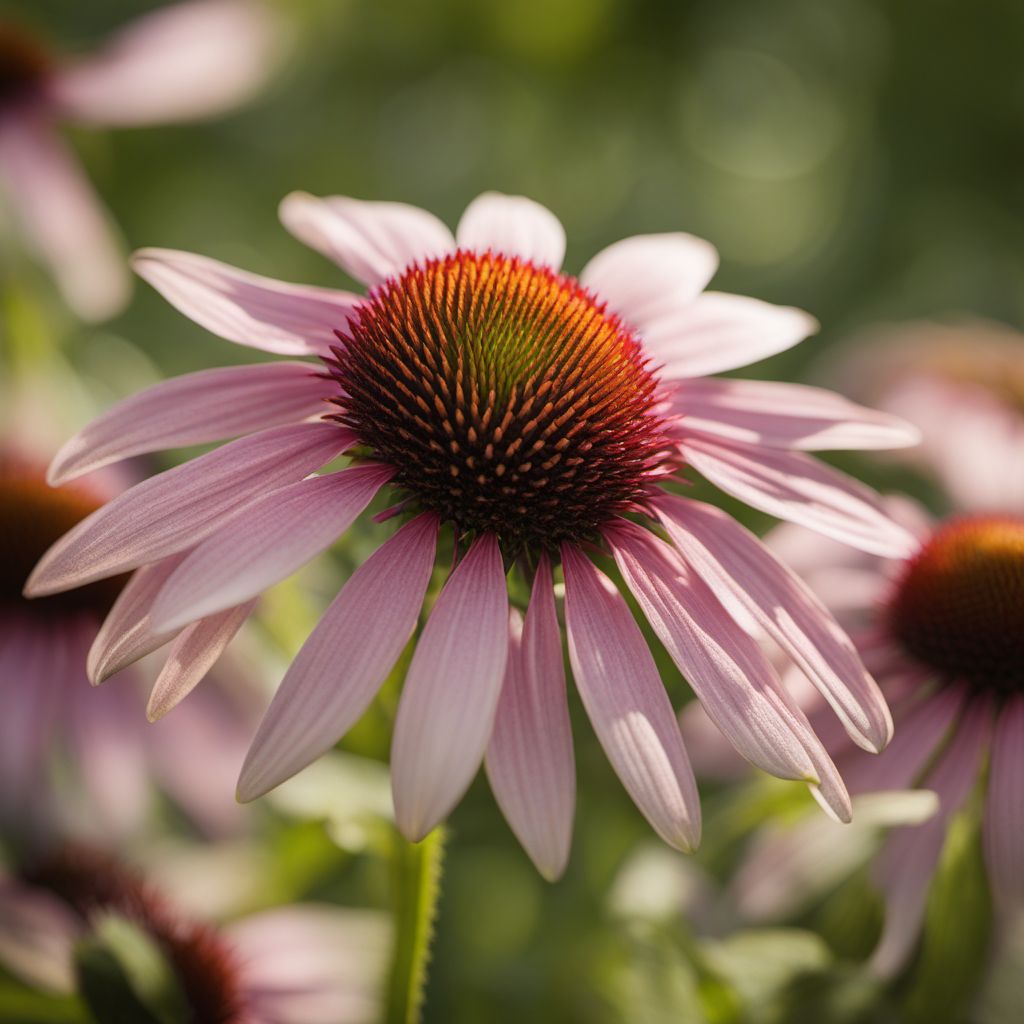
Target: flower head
{"points": [[187, 60], [531, 420]]}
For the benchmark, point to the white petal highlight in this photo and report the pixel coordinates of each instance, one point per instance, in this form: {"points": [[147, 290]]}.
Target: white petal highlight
{"points": [[451, 692], [627, 704], [372, 241], [530, 755], [512, 226], [346, 658]]}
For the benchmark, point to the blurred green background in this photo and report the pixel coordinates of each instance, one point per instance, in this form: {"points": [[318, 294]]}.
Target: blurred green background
{"points": [[860, 159]]}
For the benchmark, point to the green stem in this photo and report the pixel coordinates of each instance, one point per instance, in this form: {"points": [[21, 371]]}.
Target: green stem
{"points": [[416, 871]]}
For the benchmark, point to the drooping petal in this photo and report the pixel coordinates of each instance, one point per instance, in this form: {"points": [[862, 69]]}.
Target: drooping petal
{"points": [[194, 652], [906, 865], [270, 539], [194, 409], [260, 312], [739, 568], [784, 416], [718, 332], [801, 489], [38, 933], [127, 632], [62, 218], [451, 692], [512, 226], [178, 508], [372, 241], [338, 670], [184, 61], [730, 676], [627, 704], [1004, 812], [530, 755], [647, 278]]}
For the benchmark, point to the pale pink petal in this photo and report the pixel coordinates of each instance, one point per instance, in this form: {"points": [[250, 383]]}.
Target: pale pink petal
{"points": [[906, 865], [61, 217], [180, 507], [808, 552], [801, 489], [627, 704], [346, 658], [37, 937], [260, 312], [371, 241], [1004, 811], [451, 692], [648, 278], [530, 755], [712, 756], [194, 652], [127, 634], [739, 568], [185, 61], [512, 226], [194, 409], [269, 540], [784, 416], [718, 332]]}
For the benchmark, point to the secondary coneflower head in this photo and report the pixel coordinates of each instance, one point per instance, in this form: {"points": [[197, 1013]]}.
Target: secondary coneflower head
{"points": [[25, 63], [537, 418]]}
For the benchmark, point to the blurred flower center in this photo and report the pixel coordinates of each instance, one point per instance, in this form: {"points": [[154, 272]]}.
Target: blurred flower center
{"points": [[32, 516], [959, 607], [24, 62], [93, 884], [505, 397]]}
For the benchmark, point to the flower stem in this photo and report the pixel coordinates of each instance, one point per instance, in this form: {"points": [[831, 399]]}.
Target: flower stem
{"points": [[416, 872]]}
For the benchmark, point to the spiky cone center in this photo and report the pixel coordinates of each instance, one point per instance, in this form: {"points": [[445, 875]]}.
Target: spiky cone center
{"points": [[93, 884], [33, 516], [24, 62], [507, 398], [959, 605]]}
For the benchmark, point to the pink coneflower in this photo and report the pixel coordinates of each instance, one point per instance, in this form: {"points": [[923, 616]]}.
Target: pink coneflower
{"points": [[540, 419], [186, 61], [72, 756], [302, 964]]}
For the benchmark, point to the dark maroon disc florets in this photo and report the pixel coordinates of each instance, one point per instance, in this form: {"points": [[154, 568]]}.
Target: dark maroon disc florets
{"points": [[507, 399], [25, 63]]}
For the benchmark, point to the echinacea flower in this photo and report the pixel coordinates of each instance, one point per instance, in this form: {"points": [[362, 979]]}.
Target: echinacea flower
{"points": [[541, 418], [73, 758], [189, 60], [300, 964]]}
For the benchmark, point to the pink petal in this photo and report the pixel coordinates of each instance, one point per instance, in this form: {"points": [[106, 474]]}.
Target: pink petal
{"points": [[627, 704], [267, 541], [184, 61], [371, 241], [906, 865], [1004, 811], [61, 217], [127, 632], [730, 676], [647, 278], [194, 652], [451, 692], [739, 568], [784, 416], [200, 407], [260, 312], [803, 490], [719, 332], [38, 933], [178, 508], [530, 756], [512, 226], [346, 658]]}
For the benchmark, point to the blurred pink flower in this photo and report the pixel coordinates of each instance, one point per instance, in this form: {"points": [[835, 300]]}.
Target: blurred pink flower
{"points": [[299, 964], [187, 60], [78, 759], [531, 411]]}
